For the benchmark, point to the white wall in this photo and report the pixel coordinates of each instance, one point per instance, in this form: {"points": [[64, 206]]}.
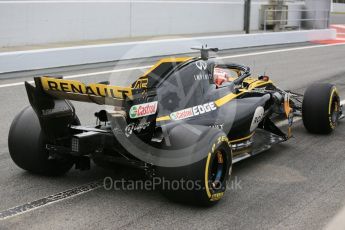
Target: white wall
{"points": [[48, 58], [185, 18], [37, 23], [338, 7], [51, 21], [318, 9], [27, 23]]}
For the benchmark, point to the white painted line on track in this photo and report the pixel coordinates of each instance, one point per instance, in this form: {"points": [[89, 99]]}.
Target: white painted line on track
{"points": [[84, 75], [219, 58], [13, 84], [109, 71], [278, 51], [21, 209]]}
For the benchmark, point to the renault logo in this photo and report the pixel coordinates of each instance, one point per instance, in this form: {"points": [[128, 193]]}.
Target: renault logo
{"points": [[201, 65]]}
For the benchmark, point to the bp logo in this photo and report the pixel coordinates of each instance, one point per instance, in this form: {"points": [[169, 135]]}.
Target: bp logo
{"points": [[143, 110]]}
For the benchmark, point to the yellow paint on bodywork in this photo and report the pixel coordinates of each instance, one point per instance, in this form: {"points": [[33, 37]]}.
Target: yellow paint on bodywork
{"points": [[258, 83], [223, 100], [164, 60], [242, 139], [142, 81], [165, 118], [77, 87], [252, 84]]}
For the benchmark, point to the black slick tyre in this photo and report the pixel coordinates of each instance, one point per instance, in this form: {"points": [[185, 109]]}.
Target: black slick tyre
{"points": [[202, 183], [27, 146], [320, 108]]}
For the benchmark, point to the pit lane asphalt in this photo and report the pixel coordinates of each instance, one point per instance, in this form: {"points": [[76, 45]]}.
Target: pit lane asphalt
{"points": [[299, 184]]}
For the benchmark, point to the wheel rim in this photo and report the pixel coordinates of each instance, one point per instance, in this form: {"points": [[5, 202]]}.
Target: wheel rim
{"points": [[334, 112], [218, 171]]}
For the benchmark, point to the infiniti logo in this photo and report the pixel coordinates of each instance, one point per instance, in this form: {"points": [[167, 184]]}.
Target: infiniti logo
{"points": [[201, 65]]}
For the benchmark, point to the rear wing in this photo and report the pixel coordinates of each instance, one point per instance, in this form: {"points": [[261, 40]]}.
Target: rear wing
{"points": [[50, 100], [100, 93]]}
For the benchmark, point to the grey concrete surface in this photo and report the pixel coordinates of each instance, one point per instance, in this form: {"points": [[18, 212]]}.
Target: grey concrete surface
{"points": [[337, 18], [296, 185]]}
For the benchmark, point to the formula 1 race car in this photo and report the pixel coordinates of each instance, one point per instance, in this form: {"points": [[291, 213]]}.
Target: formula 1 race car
{"points": [[186, 121]]}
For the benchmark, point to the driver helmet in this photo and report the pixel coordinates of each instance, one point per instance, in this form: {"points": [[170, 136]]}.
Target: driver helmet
{"points": [[219, 76]]}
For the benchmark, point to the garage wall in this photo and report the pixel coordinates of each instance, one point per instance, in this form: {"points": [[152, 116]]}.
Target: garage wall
{"points": [[47, 22], [319, 9], [167, 18], [51, 21], [338, 7], [78, 55], [294, 13]]}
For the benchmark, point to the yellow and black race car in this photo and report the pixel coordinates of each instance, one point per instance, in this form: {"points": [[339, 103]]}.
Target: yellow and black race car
{"points": [[185, 122]]}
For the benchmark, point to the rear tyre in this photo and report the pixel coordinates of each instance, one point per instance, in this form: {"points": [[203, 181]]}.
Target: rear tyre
{"points": [[320, 108], [27, 146], [202, 183]]}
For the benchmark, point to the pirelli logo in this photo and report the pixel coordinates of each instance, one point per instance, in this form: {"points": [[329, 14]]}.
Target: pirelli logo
{"points": [[76, 87]]}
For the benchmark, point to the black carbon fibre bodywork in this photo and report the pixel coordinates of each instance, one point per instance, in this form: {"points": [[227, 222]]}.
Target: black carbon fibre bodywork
{"points": [[181, 92]]}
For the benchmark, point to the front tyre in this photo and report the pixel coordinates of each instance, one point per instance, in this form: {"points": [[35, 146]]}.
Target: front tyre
{"points": [[321, 108], [27, 146], [202, 183]]}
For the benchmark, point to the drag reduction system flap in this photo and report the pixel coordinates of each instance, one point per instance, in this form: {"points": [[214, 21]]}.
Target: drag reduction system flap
{"points": [[76, 90]]}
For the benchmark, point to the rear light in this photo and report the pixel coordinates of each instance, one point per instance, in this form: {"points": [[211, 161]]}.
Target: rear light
{"points": [[75, 144], [86, 142]]}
